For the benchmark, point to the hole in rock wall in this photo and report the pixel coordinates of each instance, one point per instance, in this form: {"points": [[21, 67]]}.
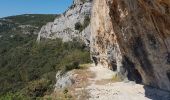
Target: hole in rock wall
{"points": [[95, 60], [133, 74]]}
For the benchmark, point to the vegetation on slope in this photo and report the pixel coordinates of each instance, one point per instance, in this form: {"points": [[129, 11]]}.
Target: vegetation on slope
{"points": [[27, 69]]}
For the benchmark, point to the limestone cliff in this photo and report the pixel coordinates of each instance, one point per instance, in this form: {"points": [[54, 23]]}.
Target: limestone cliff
{"points": [[132, 37], [64, 26]]}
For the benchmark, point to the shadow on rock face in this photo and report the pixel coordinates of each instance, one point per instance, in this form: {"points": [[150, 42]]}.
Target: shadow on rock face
{"points": [[150, 92], [133, 74], [156, 94]]}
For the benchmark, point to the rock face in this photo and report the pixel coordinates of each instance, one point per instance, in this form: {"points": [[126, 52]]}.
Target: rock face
{"points": [[64, 26], [132, 37]]}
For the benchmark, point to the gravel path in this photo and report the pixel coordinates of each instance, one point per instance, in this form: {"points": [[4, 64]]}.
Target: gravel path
{"points": [[120, 90]]}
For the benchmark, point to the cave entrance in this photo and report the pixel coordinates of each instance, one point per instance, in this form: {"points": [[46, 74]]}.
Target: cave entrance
{"points": [[133, 73], [114, 65], [138, 78]]}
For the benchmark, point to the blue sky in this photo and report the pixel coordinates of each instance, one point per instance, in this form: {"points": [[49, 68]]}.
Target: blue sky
{"points": [[16, 7]]}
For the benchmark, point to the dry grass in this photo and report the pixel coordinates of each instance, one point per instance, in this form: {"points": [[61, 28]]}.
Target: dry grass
{"points": [[116, 78], [64, 94]]}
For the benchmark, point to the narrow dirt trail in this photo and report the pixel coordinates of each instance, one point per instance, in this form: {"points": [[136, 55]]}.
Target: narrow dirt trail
{"points": [[98, 83], [102, 87]]}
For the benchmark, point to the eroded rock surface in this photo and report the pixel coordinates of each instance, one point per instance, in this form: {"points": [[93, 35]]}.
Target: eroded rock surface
{"points": [[64, 26], [132, 37]]}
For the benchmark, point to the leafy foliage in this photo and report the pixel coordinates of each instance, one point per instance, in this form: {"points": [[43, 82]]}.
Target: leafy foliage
{"points": [[13, 96], [78, 26]]}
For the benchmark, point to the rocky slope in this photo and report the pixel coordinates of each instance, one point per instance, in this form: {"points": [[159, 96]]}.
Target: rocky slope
{"points": [[132, 37], [64, 25]]}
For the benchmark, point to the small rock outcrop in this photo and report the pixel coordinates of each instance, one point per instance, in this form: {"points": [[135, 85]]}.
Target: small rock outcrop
{"points": [[64, 80], [64, 26], [132, 37]]}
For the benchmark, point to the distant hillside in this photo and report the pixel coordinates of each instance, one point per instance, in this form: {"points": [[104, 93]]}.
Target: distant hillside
{"points": [[31, 22]]}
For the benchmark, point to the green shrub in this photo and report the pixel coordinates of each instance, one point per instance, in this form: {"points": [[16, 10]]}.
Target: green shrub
{"points": [[83, 1], [65, 91], [13, 96], [86, 21], [80, 27], [36, 88], [73, 65]]}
